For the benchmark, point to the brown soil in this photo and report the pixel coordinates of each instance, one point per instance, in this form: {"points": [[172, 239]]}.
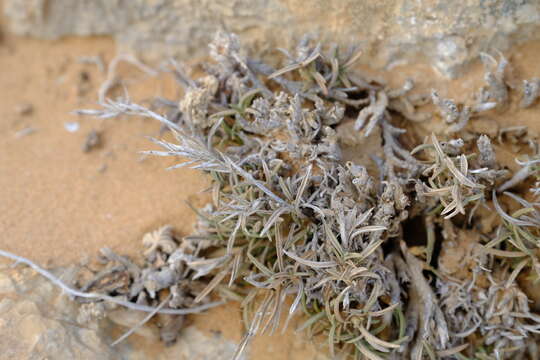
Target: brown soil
{"points": [[60, 204]]}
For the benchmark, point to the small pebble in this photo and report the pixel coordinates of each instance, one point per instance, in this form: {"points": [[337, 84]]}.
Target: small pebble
{"points": [[93, 140], [71, 126], [24, 109]]}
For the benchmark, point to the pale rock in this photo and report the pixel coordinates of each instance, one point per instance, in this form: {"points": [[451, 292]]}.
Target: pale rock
{"points": [[6, 284], [447, 34], [38, 322]]}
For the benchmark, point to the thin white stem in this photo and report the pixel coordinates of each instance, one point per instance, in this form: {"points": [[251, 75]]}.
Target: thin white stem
{"points": [[127, 304], [142, 322]]}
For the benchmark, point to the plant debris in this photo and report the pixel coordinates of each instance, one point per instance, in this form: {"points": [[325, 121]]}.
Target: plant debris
{"points": [[291, 219], [168, 264], [25, 132]]}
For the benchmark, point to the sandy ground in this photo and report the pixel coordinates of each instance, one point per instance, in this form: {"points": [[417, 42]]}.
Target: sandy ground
{"points": [[59, 204]]}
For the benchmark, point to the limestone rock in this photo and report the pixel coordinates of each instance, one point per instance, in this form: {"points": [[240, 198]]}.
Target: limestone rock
{"points": [[38, 322], [193, 344], [6, 284], [448, 34]]}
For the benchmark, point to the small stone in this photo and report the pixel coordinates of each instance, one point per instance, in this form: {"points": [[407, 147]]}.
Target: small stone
{"points": [[24, 109], [93, 140], [71, 126]]}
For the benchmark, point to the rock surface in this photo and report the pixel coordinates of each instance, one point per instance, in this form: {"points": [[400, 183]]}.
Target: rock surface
{"points": [[447, 34], [38, 322]]}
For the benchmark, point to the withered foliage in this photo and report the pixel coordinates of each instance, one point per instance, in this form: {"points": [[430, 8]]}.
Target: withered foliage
{"points": [[290, 219]]}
